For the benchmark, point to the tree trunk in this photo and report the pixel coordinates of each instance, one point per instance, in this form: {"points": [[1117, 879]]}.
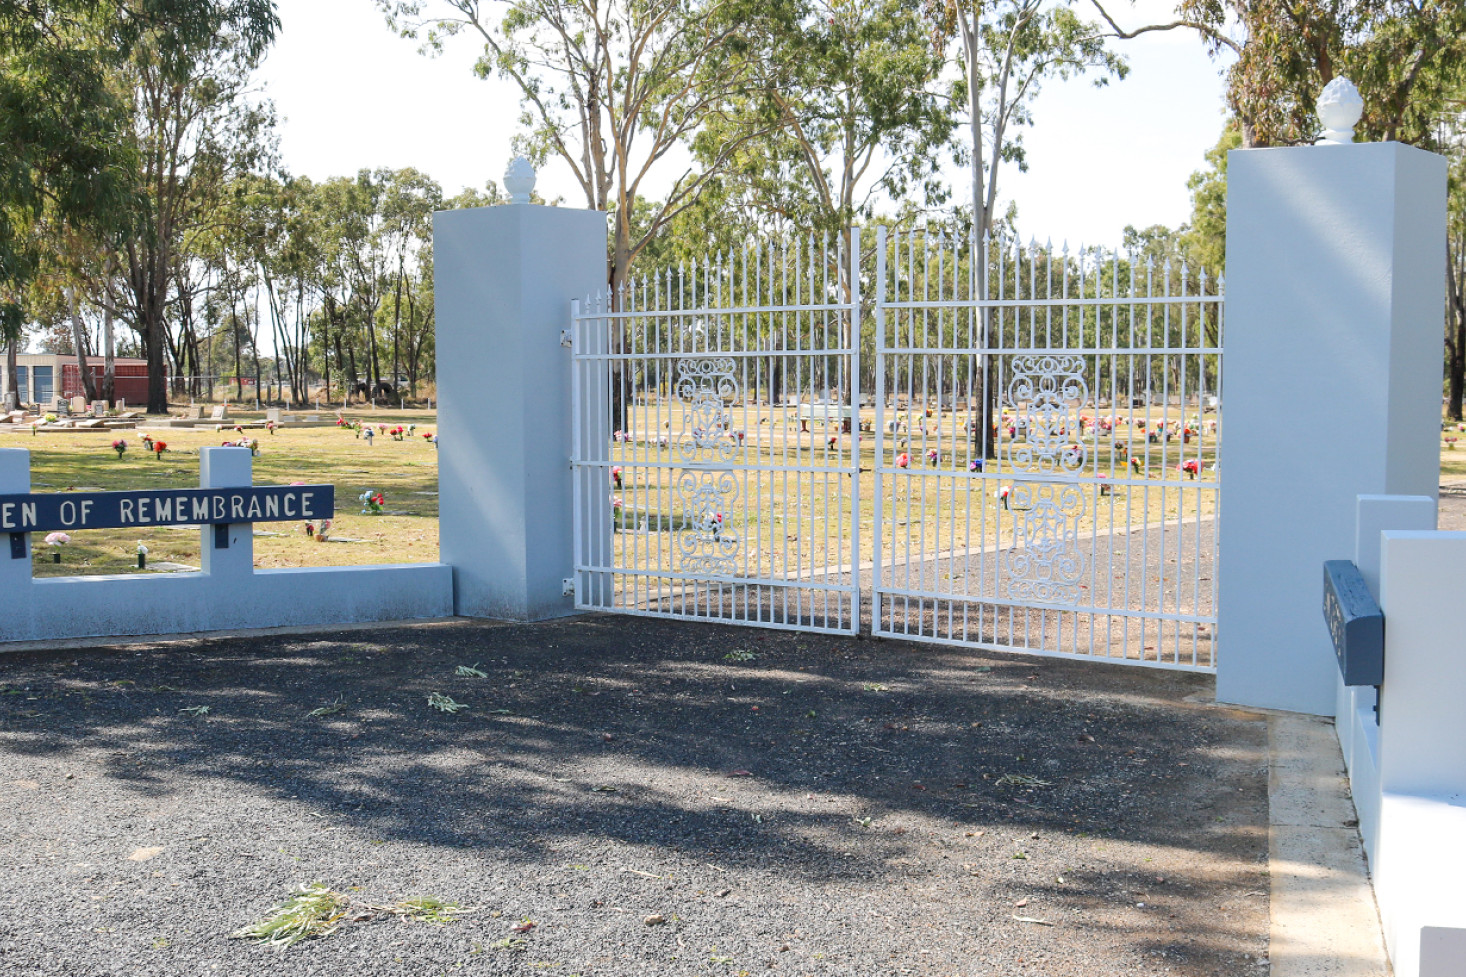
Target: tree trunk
{"points": [[109, 357], [79, 340], [12, 376], [1455, 334]]}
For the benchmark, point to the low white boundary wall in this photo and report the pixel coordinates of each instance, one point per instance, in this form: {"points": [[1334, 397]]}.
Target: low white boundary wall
{"points": [[1407, 772], [228, 593]]}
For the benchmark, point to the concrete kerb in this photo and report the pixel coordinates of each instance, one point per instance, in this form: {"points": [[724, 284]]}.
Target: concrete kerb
{"points": [[1325, 922]]}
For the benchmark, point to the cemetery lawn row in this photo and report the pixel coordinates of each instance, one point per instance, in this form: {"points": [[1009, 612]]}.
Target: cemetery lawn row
{"points": [[405, 472]]}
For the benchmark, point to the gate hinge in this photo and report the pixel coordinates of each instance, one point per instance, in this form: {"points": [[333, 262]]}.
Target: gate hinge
{"points": [[567, 587], [565, 337]]}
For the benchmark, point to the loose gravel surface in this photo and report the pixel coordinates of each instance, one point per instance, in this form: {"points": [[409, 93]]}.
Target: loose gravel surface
{"points": [[809, 805]]}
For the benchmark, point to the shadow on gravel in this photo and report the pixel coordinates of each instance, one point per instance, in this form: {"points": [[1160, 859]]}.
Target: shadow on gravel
{"points": [[817, 760]]}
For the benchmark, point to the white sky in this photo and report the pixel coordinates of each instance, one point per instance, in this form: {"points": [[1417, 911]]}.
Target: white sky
{"points": [[354, 95]]}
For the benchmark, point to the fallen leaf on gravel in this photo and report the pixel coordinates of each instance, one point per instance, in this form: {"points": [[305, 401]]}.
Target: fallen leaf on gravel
{"points": [[1030, 919], [741, 773], [655, 919], [143, 854], [603, 789], [525, 926], [637, 871], [1085, 738], [1021, 903]]}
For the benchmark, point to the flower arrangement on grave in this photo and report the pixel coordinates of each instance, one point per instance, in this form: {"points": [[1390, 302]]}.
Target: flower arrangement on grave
{"points": [[310, 529], [933, 456], [381, 429], [142, 556], [368, 433], [1003, 494], [903, 460], [270, 426], [975, 465], [56, 541], [428, 436], [371, 502], [323, 532], [50, 418], [119, 446], [411, 428], [1135, 465], [833, 440], [616, 476], [1105, 487], [1451, 444], [158, 447], [1192, 468], [616, 503], [398, 433]]}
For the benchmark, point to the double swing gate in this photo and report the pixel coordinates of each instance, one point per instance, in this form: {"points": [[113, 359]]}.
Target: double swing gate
{"points": [[993, 445]]}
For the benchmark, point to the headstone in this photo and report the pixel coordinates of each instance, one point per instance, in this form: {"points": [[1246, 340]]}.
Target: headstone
{"points": [[273, 414], [78, 405], [122, 403], [221, 413], [195, 412], [99, 408]]}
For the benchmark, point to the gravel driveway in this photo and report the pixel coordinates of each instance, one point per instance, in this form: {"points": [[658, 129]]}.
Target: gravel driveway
{"points": [[815, 805]]}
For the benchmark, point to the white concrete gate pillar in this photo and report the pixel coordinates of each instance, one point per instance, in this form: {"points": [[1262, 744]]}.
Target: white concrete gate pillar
{"points": [[1335, 290], [503, 281]]}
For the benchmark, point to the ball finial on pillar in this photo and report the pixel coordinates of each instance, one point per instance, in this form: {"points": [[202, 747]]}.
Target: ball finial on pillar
{"points": [[1339, 108], [519, 180]]}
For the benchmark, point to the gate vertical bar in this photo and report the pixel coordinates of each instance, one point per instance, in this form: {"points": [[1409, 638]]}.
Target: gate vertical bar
{"points": [[877, 502], [854, 357]]}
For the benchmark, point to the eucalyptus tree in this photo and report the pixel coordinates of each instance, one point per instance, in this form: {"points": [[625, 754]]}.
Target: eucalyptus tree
{"points": [[614, 89], [66, 122], [407, 231], [1406, 57], [196, 129]]}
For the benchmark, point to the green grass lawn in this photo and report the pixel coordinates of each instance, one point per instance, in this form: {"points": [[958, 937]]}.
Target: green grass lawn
{"points": [[406, 472], [788, 523]]}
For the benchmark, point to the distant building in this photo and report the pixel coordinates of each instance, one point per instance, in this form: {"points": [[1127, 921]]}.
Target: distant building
{"points": [[42, 376]]}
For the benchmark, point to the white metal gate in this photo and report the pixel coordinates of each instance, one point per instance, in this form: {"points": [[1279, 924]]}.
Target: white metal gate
{"points": [[727, 466], [715, 458], [1086, 524]]}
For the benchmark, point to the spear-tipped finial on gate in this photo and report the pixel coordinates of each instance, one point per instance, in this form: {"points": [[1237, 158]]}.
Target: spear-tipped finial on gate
{"points": [[519, 180], [1339, 108]]}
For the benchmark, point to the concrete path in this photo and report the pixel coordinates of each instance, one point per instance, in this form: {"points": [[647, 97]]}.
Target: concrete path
{"points": [[1324, 919]]}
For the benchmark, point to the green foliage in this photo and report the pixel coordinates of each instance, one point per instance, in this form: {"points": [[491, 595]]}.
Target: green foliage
{"points": [[312, 911], [1206, 237], [66, 113]]}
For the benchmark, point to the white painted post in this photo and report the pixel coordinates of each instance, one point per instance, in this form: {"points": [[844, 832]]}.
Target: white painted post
{"points": [[228, 468], [1335, 286], [504, 278], [15, 479]]}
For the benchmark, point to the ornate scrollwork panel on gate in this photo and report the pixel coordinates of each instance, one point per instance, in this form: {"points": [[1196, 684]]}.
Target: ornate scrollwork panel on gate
{"points": [[1045, 563], [706, 385], [1049, 391], [705, 546]]}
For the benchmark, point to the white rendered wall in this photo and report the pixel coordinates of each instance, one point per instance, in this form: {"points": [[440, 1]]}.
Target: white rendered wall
{"points": [[1335, 285], [504, 278], [227, 594], [1420, 855], [1355, 720]]}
